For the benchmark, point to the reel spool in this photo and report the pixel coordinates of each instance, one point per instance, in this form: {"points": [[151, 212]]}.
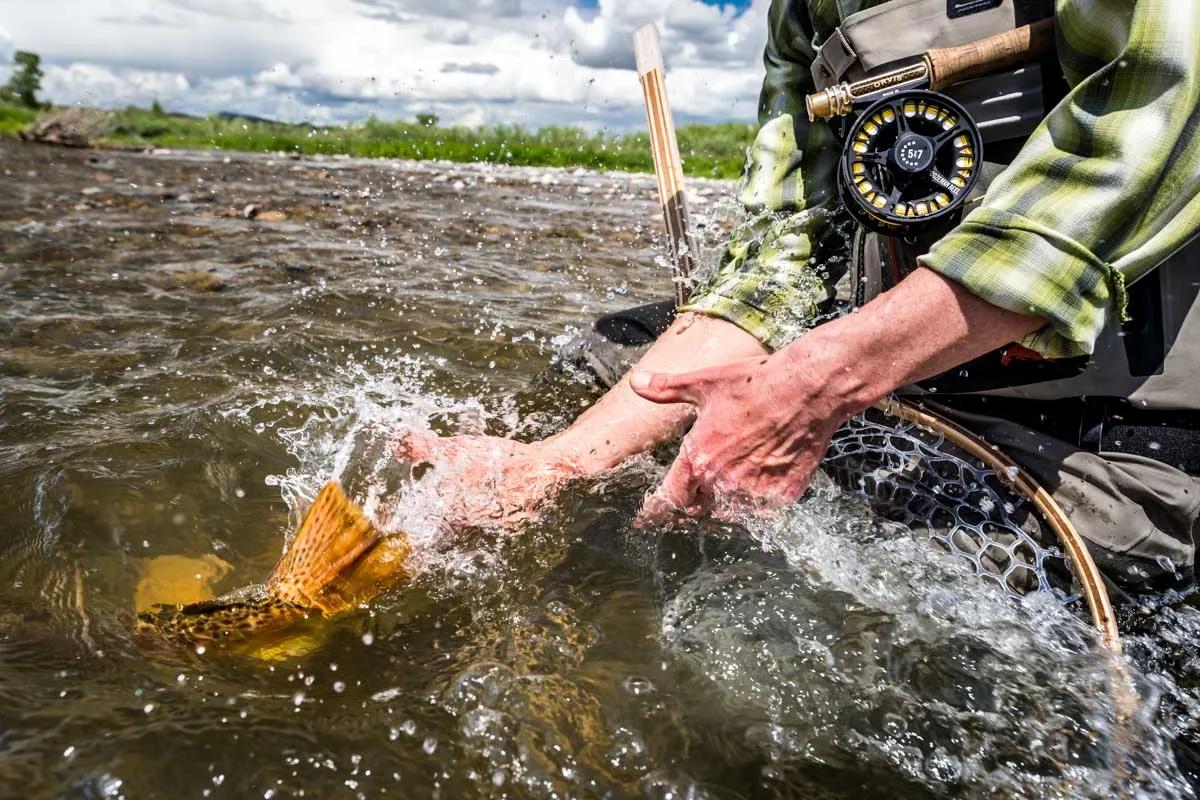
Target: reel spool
{"points": [[908, 164]]}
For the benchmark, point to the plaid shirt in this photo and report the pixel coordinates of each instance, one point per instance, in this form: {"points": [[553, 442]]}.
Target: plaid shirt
{"points": [[1105, 189]]}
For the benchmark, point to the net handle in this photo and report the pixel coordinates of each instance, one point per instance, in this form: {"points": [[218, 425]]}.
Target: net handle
{"points": [[1086, 570]]}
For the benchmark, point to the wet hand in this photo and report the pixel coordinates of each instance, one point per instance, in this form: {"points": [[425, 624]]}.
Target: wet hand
{"points": [[761, 430], [486, 480]]}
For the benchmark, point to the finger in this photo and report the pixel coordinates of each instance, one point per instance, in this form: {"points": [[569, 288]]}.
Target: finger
{"points": [[654, 511], [677, 493], [738, 500], [660, 387], [702, 505], [741, 508], [412, 446]]}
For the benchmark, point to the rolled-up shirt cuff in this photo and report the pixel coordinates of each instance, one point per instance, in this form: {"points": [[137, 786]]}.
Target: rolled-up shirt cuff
{"points": [[1017, 264]]}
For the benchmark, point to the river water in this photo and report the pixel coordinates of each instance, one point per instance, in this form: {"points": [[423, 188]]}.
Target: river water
{"points": [[178, 377]]}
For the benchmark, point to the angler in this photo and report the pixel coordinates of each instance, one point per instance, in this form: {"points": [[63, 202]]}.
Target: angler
{"points": [[1020, 251]]}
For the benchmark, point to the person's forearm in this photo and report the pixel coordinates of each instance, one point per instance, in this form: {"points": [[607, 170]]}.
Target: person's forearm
{"points": [[621, 424], [924, 326], [763, 423]]}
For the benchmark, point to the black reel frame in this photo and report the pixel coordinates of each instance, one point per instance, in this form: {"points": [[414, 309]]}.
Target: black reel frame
{"points": [[908, 163]]}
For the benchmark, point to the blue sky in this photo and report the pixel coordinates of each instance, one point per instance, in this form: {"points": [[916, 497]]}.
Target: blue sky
{"points": [[532, 62]]}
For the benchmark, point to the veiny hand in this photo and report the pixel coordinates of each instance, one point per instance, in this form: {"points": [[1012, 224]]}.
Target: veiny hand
{"points": [[487, 480], [761, 430]]}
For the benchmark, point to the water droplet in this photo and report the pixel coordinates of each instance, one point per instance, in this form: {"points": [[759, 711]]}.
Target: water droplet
{"points": [[429, 745], [368, 639], [386, 695]]}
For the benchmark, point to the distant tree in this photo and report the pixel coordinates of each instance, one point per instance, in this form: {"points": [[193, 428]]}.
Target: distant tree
{"points": [[427, 120], [156, 108], [26, 79]]}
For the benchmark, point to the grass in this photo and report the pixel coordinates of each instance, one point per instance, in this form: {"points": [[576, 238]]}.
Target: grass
{"points": [[715, 151], [14, 119]]}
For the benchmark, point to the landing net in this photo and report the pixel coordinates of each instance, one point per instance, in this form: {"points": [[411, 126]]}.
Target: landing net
{"points": [[927, 473]]}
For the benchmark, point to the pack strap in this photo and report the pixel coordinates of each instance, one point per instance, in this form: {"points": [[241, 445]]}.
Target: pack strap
{"points": [[833, 60]]}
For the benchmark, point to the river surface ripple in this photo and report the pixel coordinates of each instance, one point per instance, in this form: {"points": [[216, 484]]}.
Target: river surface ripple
{"points": [[179, 374]]}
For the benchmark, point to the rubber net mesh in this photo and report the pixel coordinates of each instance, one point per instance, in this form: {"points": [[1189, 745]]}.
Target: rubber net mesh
{"points": [[919, 478]]}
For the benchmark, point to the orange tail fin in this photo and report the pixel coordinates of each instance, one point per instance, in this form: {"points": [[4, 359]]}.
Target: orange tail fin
{"points": [[336, 559]]}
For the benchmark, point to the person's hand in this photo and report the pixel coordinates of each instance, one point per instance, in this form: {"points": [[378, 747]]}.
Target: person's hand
{"points": [[761, 430], [486, 480]]}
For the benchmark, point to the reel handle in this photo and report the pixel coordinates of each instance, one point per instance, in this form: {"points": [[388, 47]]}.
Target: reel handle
{"points": [[950, 65]]}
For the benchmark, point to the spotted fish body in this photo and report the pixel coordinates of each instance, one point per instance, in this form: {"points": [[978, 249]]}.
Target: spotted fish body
{"points": [[337, 561]]}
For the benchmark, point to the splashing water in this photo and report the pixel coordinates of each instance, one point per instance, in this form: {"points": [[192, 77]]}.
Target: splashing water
{"points": [[193, 404]]}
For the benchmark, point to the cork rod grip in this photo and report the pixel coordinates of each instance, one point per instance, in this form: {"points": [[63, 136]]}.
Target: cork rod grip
{"points": [[949, 65]]}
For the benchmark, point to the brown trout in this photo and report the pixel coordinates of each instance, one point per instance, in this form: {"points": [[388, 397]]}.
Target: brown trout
{"points": [[337, 561]]}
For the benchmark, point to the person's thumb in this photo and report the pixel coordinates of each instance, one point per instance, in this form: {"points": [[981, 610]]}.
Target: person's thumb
{"points": [[659, 387]]}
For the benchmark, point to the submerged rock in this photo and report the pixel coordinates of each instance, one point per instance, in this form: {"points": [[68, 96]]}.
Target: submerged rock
{"points": [[197, 276], [198, 280]]}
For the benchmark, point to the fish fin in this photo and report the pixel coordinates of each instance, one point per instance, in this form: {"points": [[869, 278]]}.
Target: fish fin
{"points": [[333, 539]]}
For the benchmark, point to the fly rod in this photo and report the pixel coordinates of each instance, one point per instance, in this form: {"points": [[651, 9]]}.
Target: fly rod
{"points": [[668, 168], [938, 69]]}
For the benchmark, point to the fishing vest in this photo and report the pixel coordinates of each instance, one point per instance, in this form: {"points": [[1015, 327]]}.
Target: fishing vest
{"points": [[1153, 360]]}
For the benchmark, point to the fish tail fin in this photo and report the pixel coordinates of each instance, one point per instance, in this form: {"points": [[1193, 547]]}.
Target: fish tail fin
{"points": [[334, 540]]}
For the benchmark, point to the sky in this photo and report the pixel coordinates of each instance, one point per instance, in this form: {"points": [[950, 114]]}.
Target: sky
{"points": [[530, 62]]}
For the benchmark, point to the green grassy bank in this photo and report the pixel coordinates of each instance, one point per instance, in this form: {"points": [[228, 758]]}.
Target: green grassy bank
{"points": [[14, 119], [715, 151]]}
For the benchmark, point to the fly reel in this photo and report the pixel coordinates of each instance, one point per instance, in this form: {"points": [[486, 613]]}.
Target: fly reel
{"points": [[908, 164]]}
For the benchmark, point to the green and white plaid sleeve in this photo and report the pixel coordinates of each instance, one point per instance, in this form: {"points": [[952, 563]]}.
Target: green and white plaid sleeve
{"points": [[1105, 189], [766, 282]]}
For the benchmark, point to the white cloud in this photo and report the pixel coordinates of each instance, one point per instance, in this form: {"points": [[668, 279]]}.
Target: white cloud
{"points": [[7, 46], [693, 33], [473, 68], [408, 10], [527, 61], [107, 87]]}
